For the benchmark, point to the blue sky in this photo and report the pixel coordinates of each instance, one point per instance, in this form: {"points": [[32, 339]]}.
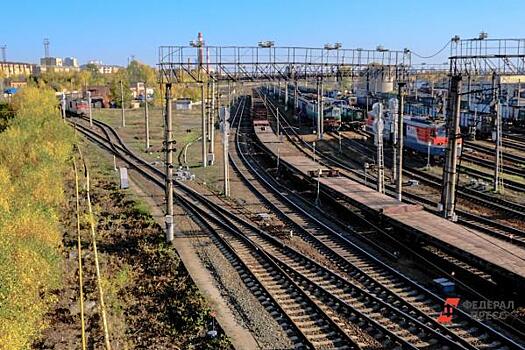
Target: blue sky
{"points": [[113, 30]]}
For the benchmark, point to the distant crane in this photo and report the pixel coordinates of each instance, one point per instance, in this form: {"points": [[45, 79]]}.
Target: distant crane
{"points": [[46, 47]]}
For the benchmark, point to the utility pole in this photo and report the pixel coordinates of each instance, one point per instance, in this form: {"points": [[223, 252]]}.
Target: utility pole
{"points": [[497, 137], [278, 123], [318, 189], [208, 108], [122, 103], [319, 109], [399, 177], [367, 90], [63, 107], [203, 124], [296, 95], [286, 96], [393, 137], [169, 165], [212, 122], [448, 200], [146, 117], [89, 109], [225, 136], [380, 154], [519, 92], [322, 110], [415, 86], [469, 88]]}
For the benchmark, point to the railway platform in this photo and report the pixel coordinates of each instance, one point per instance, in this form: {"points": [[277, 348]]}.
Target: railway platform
{"points": [[500, 258]]}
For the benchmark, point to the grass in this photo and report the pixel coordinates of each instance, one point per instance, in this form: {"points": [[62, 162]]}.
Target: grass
{"points": [[140, 207], [186, 128]]}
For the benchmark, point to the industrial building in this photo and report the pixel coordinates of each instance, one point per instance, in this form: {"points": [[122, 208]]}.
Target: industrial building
{"points": [[16, 69], [56, 64]]}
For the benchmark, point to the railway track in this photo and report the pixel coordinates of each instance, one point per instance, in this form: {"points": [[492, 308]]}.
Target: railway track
{"points": [[323, 295], [515, 141], [359, 267], [268, 281], [508, 207], [510, 184], [507, 169], [261, 275], [482, 224], [246, 245], [490, 151], [489, 178]]}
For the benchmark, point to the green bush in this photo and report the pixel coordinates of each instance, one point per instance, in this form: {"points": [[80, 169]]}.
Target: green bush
{"points": [[34, 157]]}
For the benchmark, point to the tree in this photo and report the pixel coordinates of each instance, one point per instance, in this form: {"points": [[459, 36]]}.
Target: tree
{"points": [[97, 78], [114, 88], [139, 72]]}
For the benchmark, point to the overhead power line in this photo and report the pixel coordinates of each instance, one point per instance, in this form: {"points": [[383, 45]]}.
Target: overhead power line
{"points": [[434, 55]]}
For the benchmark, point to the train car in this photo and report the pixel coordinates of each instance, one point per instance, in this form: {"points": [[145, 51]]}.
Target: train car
{"points": [[337, 112], [352, 118], [76, 106], [420, 134], [478, 119], [332, 117], [307, 110], [475, 125], [519, 118]]}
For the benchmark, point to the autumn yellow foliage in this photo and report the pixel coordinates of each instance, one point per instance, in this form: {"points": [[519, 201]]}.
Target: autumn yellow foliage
{"points": [[34, 154]]}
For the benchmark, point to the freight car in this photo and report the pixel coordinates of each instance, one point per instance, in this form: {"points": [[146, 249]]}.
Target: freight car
{"points": [[307, 110], [352, 118], [477, 119]]}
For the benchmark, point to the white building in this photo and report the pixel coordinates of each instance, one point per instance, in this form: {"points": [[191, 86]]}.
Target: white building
{"points": [[103, 68], [183, 104]]}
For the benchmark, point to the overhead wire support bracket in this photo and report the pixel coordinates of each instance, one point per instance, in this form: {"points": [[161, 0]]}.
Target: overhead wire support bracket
{"points": [[180, 64]]}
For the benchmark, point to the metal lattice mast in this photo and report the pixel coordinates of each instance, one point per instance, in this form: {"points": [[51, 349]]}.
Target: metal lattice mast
{"points": [[399, 143], [212, 122], [319, 120], [498, 166], [168, 144], [501, 59], [448, 196], [380, 151], [204, 127]]}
